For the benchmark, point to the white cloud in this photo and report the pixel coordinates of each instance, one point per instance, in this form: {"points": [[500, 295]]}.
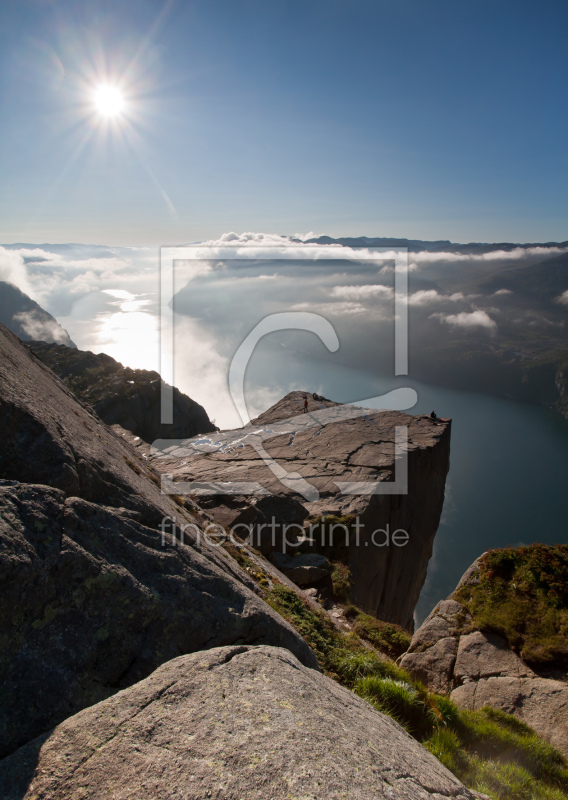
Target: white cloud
{"points": [[330, 308], [42, 330], [516, 254], [362, 292], [201, 372], [428, 297], [563, 298], [502, 291], [13, 270], [471, 319]]}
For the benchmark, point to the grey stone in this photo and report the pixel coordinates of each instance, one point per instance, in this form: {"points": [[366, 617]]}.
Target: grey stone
{"points": [[481, 655], [231, 723], [441, 623], [433, 667], [302, 569]]}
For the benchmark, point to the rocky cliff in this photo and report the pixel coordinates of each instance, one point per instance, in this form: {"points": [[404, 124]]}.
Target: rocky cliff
{"points": [[335, 477], [123, 396], [93, 596], [500, 640]]}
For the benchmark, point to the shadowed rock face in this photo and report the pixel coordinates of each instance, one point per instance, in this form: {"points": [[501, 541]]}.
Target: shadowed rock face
{"points": [[478, 669], [326, 462], [122, 396], [92, 598], [234, 722]]}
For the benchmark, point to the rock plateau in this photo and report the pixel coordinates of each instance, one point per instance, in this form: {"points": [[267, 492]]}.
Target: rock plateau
{"points": [[289, 468]]}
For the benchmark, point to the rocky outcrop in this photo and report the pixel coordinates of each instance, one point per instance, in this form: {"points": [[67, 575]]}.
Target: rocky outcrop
{"points": [[478, 668], [94, 596], [28, 320], [233, 722], [289, 468], [123, 396]]}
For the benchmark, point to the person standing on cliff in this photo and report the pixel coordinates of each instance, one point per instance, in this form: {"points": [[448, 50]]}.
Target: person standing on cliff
{"points": [[305, 403]]}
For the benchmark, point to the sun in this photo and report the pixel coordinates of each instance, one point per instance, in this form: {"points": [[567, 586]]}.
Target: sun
{"points": [[109, 101]]}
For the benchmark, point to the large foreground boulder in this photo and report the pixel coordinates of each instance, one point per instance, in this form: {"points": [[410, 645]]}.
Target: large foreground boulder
{"points": [[246, 723], [94, 595]]}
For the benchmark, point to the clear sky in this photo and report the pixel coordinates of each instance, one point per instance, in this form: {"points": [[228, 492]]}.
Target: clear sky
{"points": [[417, 118]]}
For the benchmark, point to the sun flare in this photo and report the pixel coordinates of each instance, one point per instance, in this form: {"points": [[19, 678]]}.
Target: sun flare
{"points": [[109, 101]]}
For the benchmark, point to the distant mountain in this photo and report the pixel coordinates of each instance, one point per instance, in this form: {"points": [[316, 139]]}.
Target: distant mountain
{"points": [[28, 320], [418, 245], [545, 281]]}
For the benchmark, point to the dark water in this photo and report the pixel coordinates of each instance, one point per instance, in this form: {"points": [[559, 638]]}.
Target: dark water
{"points": [[508, 479]]}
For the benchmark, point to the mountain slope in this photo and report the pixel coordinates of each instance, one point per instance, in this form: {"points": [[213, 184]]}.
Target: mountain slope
{"points": [[28, 320], [123, 396], [96, 591]]}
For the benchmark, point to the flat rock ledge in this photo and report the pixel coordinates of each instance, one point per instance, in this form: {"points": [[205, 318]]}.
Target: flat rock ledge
{"points": [[479, 669], [238, 723]]}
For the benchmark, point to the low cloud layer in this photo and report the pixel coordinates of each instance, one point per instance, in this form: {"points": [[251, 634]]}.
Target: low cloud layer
{"points": [[108, 300], [41, 329], [473, 319]]}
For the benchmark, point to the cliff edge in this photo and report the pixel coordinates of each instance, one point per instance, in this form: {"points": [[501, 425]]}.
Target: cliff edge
{"points": [[361, 486]]}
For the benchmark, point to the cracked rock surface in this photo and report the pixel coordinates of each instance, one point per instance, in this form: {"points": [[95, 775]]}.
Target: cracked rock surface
{"points": [[92, 598], [478, 669], [289, 466], [231, 723]]}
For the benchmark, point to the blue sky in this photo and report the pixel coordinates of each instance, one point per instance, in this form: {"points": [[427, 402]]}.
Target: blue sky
{"points": [[437, 119]]}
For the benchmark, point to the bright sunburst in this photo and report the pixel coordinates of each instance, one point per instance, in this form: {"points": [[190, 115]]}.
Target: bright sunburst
{"points": [[109, 101]]}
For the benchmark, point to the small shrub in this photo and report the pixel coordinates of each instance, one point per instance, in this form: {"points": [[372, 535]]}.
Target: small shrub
{"points": [[341, 579]]}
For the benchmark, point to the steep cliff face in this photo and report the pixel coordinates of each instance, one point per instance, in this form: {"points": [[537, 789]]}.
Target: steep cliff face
{"points": [[500, 639], [123, 396], [334, 462], [93, 596]]}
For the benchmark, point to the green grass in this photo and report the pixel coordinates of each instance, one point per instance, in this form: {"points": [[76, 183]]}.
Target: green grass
{"points": [[522, 595], [390, 639], [400, 699], [494, 753], [488, 750]]}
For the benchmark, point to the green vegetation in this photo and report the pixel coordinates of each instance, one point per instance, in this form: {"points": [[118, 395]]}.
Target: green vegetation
{"points": [[494, 753], [81, 384], [341, 580], [522, 595], [389, 638], [488, 750]]}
